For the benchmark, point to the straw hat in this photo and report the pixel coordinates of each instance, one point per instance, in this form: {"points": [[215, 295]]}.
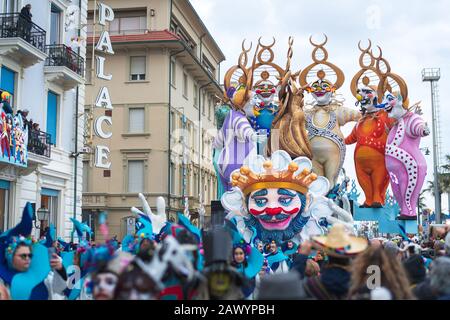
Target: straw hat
{"points": [[339, 243]]}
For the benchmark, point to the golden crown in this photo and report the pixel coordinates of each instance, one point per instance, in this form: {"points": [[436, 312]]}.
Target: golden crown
{"points": [[249, 181]]}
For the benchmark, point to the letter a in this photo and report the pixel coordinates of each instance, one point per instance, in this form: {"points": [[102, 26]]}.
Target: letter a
{"points": [[104, 43], [103, 99]]}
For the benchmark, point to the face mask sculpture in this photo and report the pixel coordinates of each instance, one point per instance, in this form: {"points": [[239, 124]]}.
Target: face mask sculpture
{"points": [[404, 161], [370, 134], [324, 119], [273, 197]]}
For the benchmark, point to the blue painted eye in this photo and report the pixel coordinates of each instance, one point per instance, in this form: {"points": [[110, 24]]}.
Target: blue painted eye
{"points": [[261, 202], [285, 201]]}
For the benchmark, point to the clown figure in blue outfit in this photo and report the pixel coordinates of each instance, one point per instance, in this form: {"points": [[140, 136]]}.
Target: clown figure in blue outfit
{"points": [[262, 109]]}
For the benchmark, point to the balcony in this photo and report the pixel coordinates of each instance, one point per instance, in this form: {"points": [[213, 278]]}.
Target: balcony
{"points": [[39, 150], [63, 66], [21, 40]]}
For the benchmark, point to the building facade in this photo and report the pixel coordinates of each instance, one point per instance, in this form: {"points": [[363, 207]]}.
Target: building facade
{"points": [[165, 84], [42, 68]]}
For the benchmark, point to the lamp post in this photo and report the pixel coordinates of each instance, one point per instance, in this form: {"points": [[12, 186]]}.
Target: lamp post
{"points": [[42, 215], [433, 75]]}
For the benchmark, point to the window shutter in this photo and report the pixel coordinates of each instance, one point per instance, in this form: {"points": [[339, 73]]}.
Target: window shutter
{"points": [[136, 120], [136, 176], [52, 116], [137, 65]]}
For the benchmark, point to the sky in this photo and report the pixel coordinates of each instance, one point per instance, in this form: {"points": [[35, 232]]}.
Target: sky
{"points": [[413, 35]]}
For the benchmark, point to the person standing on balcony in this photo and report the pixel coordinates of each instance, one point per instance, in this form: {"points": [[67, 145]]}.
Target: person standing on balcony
{"points": [[25, 22], [26, 124]]}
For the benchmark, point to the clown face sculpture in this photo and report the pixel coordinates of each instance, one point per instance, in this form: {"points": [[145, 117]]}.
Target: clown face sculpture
{"points": [[272, 196], [262, 109], [393, 105], [367, 99], [322, 91], [277, 210]]}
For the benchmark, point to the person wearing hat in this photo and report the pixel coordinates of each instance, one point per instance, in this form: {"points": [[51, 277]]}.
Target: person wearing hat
{"points": [[334, 280], [28, 271]]}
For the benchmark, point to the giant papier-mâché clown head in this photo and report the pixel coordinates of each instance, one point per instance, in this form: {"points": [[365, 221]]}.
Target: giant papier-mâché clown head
{"points": [[272, 195]]}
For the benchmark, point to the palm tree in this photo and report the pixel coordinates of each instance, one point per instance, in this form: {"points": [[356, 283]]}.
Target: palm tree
{"points": [[444, 180]]}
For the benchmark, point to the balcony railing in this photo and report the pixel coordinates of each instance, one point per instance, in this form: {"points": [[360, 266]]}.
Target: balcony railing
{"points": [[15, 25], [39, 143], [60, 55]]}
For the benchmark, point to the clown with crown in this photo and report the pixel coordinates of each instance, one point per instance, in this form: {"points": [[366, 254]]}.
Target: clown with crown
{"points": [[279, 199]]}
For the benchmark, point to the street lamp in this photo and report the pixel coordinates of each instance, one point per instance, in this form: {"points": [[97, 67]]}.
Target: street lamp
{"points": [[42, 215]]}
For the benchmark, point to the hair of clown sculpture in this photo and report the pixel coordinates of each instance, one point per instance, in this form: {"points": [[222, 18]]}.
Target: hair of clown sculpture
{"points": [[389, 78], [368, 70], [321, 74]]}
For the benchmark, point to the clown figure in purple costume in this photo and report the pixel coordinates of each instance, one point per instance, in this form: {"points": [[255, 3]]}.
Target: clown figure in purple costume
{"points": [[405, 162]]}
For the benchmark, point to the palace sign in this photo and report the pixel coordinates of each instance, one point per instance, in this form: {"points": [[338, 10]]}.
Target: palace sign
{"points": [[103, 100]]}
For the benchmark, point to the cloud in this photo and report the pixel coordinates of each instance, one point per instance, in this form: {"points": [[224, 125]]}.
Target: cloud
{"points": [[413, 34]]}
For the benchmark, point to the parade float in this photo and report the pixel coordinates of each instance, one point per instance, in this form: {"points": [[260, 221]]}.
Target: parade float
{"points": [[290, 189]]}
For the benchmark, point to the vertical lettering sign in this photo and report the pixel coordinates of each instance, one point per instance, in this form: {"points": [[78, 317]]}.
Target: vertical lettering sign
{"points": [[103, 100]]}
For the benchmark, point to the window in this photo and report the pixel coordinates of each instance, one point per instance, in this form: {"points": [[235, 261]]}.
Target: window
{"points": [[136, 176], [137, 68], [209, 108], [173, 72], [55, 25], [208, 66], [204, 104], [195, 95], [88, 70], [128, 25], [85, 176], [173, 122], [8, 83], [10, 6], [195, 184], [4, 204], [175, 28], [124, 23], [49, 200], [185, 85], [172, 178], [52, 116], [136, 120]]}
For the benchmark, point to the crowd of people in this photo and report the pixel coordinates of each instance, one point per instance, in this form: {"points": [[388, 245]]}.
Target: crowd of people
{"points": [[177, 261]]}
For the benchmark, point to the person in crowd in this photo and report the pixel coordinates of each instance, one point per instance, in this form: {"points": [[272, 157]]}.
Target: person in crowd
{"points": [[333, 282], [135, 284], [447, 245], [390, 247], [440, 278], [414, 265], [391, 276], [28, 270], [106, 275], [312, 268]]}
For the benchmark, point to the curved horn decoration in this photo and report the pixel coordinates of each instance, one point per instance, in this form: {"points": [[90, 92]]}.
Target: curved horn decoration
{"points": [[318, 45], [368, 47], [268, 46]]}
